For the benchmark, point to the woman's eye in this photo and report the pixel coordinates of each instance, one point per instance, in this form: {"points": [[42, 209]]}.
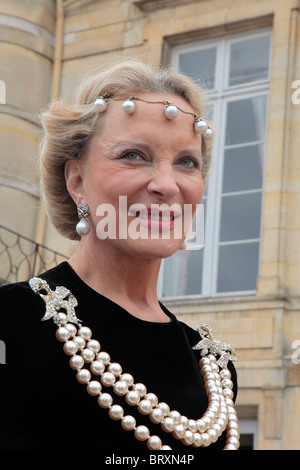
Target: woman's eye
{"points": [[189, 162], [131, 155]]}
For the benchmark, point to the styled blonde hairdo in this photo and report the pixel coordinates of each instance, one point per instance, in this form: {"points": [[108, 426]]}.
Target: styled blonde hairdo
{"points": [[69, 128]]}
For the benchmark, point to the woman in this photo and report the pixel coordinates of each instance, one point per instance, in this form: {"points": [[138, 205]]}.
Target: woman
{"points": [[127, 375]]}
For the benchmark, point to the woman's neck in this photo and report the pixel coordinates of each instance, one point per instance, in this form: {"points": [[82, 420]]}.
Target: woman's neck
{"points": [[128, 281]]}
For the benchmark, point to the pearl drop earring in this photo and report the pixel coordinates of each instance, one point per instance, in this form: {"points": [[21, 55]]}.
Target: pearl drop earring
{"points": [[83, 227]]}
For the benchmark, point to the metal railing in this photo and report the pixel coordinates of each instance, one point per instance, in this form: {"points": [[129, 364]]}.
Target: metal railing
{"points": [[22, 258]]}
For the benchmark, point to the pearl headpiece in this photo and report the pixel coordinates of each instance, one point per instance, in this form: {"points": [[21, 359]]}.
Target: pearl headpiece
{"points": [[171, 111]]}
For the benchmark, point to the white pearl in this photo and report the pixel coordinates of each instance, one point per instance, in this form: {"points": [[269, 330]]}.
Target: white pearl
{"points": [[70, 348], [97, 367], [208, 134], [85, 332], [83, 376], [217, 428], [76, 362], [141, 433], [206, 368], [88, 355], [105, 400], [128, 423], [145, 407], [213, 434], [231, 410], [166, 448], [200, 126], [71, 329], [232, 425], [115, 368], [206, 439], [80, 342], [83, 227], [178, 432], [62, 334], [171, 111], [94, 388], [228, 393], [229, 447], [116, 412], [128, 106], [154, 442], [226, 383], [204, 361], [104, 357], [233, 441], [209, 376], [156, 415], [62, 318], [120, 388], [225, 374], [214, 368], [233, 433], [168, 424], [164, 408], [140, 388], [128, 379], [184, 422], [94, 345], [108, 379], [132, 397], [188, 438], [100, 104], [202, 425], [221, 423], [152, 397], [232, 418], [212, 358], [176, 416], [192, 425], [197, 440], [206, 419]]}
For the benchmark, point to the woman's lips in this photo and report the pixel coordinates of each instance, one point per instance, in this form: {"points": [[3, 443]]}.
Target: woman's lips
{"points": [[156, 218]]}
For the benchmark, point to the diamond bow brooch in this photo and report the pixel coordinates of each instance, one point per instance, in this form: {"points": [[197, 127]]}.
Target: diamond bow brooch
{"points": [[208, 345], [56, 301]]}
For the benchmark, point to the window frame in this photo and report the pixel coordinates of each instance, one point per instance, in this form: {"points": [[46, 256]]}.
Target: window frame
{"points": [[219, 96]]}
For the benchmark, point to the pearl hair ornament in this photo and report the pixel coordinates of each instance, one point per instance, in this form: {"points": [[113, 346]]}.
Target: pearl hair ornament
{"points": [[88, 360], [171, 111]]}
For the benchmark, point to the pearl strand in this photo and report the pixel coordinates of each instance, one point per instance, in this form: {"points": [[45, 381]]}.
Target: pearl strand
{"points": [[220, 414]]}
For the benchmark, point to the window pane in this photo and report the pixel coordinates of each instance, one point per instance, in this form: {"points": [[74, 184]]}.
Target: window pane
{"points": [[183, 274], [243, 168], [240, 217], [238, 267], [200, 65], [246, 120], [249, 60]]}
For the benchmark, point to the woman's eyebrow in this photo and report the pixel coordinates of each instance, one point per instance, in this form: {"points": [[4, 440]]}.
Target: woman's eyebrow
{"points": [[144, 146], [132, 144]]}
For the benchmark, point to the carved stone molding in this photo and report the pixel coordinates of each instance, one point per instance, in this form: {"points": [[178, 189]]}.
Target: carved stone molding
{"points": [[153, 5]]}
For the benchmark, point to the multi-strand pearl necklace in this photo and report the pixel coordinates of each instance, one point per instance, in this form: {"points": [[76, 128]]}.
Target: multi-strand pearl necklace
{"points": [[89, 360]]}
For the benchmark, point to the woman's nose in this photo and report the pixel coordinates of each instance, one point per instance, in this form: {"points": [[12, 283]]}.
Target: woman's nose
{"points": [[163, 184]]}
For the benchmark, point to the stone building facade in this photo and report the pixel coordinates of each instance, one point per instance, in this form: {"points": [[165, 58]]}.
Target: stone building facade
{"points": [[47, 46]]}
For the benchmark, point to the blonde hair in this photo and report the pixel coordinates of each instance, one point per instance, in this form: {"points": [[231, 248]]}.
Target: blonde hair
{"points": [[68, 129]]}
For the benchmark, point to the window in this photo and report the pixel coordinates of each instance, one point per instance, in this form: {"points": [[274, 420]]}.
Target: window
{"points": [[235, 71], [248, 434]]}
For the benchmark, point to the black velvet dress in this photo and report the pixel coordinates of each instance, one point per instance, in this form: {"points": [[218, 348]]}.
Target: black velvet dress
{"points": [[43, 406]]}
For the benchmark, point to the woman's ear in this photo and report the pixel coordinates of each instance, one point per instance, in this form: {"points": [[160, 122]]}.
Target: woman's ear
{"points": [[74, 181]]}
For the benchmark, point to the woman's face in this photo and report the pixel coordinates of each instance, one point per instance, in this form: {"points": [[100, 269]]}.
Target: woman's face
{"points": [[140, 172]]}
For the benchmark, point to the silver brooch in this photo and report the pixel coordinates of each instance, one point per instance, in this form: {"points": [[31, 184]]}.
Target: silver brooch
{"points": [[58, 301], [208, 345]]}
